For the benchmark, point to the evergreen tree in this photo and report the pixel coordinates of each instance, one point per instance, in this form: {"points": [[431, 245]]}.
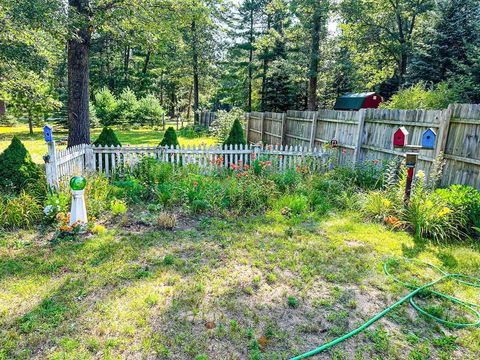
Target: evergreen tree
{"points": [[448, 47], [170, 138], [236, 135], [107, 138], [17, 169]]}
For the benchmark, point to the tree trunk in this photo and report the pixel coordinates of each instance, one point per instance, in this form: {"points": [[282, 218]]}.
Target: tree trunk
{"points": [[196, 97], [264, 73], [314, 58], [147, 61], [126, 62], [78, 92], [30, 122], [250, 63], [190, 93]]}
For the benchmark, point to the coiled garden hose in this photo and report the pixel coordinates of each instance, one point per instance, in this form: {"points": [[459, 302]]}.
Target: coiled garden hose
{"points": [[459, 278]]}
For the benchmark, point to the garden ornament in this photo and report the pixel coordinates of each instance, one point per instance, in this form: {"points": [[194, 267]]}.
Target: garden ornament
{"points": [[78, 211]]}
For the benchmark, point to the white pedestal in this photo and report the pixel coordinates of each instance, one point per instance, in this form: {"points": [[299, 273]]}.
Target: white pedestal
{"points": [[78, 211]]}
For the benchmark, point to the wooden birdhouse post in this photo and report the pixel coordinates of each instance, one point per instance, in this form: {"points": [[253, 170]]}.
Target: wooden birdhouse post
{"points": [[400, 138]]}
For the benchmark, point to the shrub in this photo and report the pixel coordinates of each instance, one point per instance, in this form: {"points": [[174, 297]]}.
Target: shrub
{"points": [[107, 138], [236, 135], [149, 111], [169, 138], [221, 126], [167, 220], [20, 211], [420, 97], [287, 180], [17, 169], [106, 106], [192, 132], [127, 107], [463, 199], [151, 172], [118, 207]]}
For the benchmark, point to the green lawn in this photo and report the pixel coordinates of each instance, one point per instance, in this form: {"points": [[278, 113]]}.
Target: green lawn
{"points": [[37, 147], [246, 288]]}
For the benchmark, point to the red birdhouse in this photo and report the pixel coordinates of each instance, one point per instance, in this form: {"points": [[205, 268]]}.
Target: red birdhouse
{"points": [[400, 137]]}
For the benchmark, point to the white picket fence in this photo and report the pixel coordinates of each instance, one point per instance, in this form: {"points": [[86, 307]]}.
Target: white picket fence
{"points": [[121, 160]]}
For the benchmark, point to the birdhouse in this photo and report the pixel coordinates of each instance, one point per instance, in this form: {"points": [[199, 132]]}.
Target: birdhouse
{"points": [[400, 137], [333, 143], [47, 134], [411, 160], [428, 139]]}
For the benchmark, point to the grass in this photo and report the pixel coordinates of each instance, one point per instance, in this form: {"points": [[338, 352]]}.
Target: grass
{"points": [[37, 147], [222, 289]]}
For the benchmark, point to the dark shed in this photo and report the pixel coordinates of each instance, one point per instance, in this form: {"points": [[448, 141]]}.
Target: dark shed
{"points": [[357, 101]]}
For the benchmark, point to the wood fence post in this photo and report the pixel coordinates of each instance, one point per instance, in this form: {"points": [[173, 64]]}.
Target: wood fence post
{"points": [[313, 130], [89, 158], [262, 127], [247, 126], [443, 130], [51, 165], [283, 129], [359, 138]]}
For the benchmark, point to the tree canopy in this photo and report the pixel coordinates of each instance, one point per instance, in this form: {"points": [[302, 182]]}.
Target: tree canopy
{"points": [[181, 56]]}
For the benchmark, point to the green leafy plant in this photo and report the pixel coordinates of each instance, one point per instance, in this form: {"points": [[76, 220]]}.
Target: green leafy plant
{"points": [[118, 207], [170, 138], [297, 204], [292, 302], [106, 106], [17, 169], [220, 128]]}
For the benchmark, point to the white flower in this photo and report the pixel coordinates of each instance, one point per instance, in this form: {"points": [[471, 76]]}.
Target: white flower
{"points": [[48, 210], [421, 174]]}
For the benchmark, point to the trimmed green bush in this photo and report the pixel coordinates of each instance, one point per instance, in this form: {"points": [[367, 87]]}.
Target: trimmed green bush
{"points": [[236, 135], [17, 169], [107, 138], [170, 138]]}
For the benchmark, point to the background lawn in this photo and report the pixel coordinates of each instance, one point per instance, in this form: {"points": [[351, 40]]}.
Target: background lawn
{"points": [[37, 147], [246, 288]]}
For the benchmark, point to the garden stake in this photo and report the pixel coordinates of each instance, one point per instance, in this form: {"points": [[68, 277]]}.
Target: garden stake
{"points": [[460, 278]]}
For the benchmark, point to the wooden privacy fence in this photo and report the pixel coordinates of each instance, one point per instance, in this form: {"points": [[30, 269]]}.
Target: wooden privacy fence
{"points": [[123, 160], [206, 118], [367, 135]]}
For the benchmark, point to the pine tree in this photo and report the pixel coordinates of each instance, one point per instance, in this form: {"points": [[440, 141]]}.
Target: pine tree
{"points": [[170, 138], [236, 135]]}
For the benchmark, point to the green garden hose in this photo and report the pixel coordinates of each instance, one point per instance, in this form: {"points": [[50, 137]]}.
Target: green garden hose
{"points": [[460, 278]]}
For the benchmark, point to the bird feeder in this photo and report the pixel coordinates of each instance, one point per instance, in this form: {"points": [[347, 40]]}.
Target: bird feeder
{"points": [[411, 160], [47, 134], [428, 139], [400, 137]]}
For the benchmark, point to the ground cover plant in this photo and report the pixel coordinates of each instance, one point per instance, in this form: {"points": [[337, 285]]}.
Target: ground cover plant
{"points": [[243, 264]]}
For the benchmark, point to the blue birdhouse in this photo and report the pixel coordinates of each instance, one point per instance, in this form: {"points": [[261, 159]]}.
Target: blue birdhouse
{"points": [[47, 134], [428, 139]]}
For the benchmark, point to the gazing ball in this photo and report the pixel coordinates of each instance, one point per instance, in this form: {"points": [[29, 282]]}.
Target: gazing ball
{"points": [[78, 183]]}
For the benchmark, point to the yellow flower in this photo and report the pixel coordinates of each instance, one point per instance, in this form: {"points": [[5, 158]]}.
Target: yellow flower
{"points": [[421, 174], [444, 211], [386, 203], [429, 204]]}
